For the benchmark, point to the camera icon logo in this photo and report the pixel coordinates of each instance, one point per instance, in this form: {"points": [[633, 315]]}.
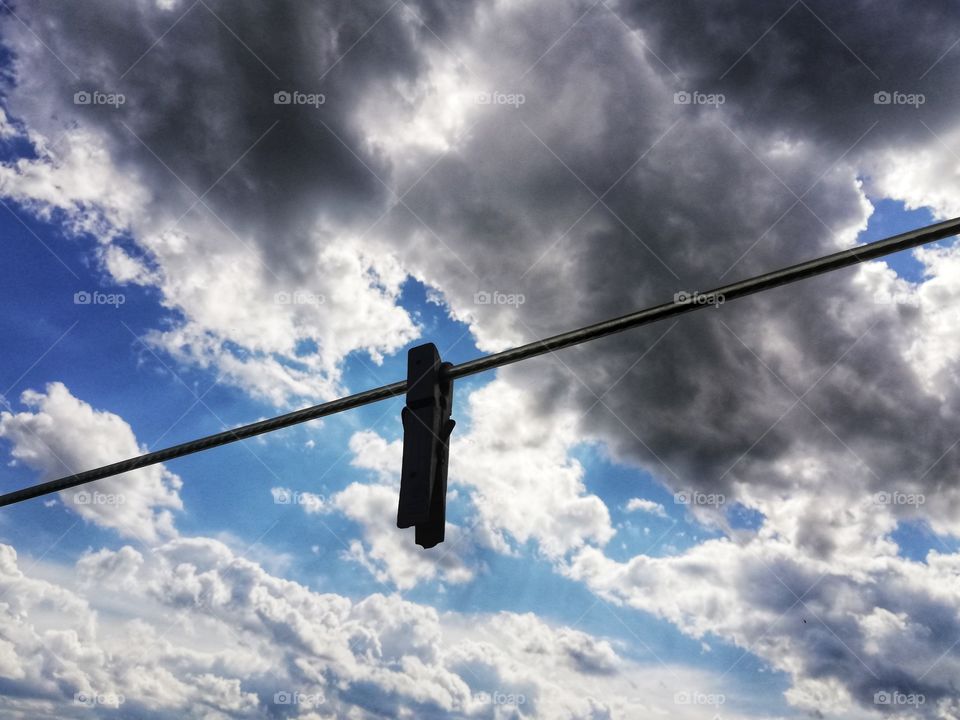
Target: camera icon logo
{"points": [[882, 98], [282, 698], [682, 98], [82, 298], [282, 97], [482, 297], [881, 697], [82, 97], [82, 498], [682, 497]]}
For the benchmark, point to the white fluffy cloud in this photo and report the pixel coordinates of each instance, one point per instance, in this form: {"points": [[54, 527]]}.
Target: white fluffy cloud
{"points": [[924, 177], [72, 173], [647, 506], [389, 554], [214, 635], [62, 435], [528, 488], [819, 592]]}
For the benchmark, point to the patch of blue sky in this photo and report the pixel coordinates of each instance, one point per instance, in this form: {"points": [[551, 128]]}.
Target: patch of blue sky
{"points": [[915, 539], [891, 217], [640, 531]]}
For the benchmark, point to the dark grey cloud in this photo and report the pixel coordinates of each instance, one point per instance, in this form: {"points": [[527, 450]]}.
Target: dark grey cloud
{"points": [[199, 81], [810, 67], [709, 196]]}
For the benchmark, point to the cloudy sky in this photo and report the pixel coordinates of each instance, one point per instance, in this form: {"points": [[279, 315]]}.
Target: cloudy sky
{"points": [[214, 212]]}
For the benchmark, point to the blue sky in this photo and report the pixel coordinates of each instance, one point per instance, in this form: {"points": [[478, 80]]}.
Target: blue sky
{"points": [[822, 584]]}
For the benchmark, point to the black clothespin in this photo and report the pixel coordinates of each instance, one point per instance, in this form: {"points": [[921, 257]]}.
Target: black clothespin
{"points": [[426, 435]]}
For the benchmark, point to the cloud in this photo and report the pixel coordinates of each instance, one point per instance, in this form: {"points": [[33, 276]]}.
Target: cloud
{"points": [[524, 490], [215, 633], [522, 481], [248, 282], [647, 506], [391, 554], [387, 553], [810, 56], [819, 593], [508, 198], [62, 435]]}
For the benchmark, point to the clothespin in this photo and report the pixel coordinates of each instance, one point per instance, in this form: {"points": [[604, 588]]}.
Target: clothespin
{"points": [[426, 434]]}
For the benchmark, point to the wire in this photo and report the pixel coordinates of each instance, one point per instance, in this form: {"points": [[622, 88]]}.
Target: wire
{"points": [[682, 303]]}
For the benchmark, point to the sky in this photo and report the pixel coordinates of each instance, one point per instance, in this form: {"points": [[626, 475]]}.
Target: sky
{"points": [[215, 212]]}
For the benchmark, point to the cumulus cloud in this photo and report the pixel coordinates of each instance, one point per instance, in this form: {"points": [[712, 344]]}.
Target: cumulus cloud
{"points": [[217, 636], [529, 488], [61, 435], [387, 553], [831, 602], [647, 506]]}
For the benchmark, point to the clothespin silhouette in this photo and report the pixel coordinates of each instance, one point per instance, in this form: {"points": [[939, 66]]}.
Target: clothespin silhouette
{"points": [[426, 434]]}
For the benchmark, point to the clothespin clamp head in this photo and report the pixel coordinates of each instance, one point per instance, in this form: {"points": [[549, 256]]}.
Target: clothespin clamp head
{"points": [[426, 434]]}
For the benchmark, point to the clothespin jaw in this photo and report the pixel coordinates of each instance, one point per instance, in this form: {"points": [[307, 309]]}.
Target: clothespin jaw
{"points": [[426, 434]]}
